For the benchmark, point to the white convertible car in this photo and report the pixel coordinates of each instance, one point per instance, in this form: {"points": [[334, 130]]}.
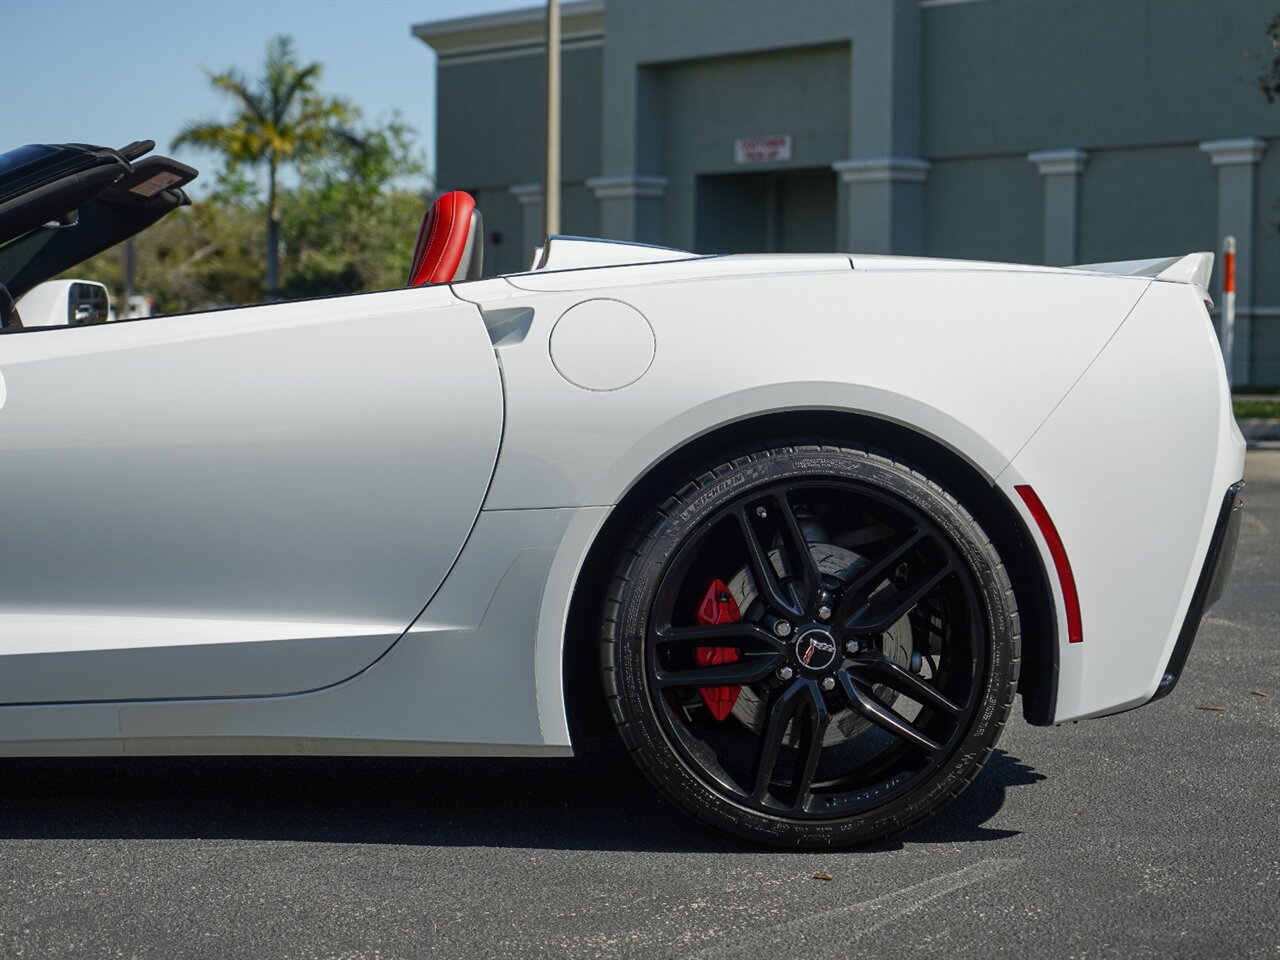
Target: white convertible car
{"points": [[801, 526]]}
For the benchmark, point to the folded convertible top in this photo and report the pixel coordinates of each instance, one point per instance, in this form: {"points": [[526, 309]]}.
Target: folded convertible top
{"points": [[63, 203]]}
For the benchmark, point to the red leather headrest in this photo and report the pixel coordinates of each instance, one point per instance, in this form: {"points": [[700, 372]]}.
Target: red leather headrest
{"points": [[442, 239]]}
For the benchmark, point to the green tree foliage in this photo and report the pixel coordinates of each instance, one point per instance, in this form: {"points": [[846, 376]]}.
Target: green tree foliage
{"points": [[346, 222], [1269, 84], [206, 255], [1269, 79], [277, 119], [351, 223]]}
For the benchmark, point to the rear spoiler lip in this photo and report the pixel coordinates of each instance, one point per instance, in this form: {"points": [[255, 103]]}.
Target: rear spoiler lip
{"points": [[1193, 268]]}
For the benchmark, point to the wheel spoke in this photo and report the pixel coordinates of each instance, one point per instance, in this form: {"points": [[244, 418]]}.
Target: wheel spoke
{"points": [[762, 569], [803, 703], [801, 560], [863, 700], [898, 678], [883, 610], [856, 594], [750, 669], [815, 730], [737, 634]]}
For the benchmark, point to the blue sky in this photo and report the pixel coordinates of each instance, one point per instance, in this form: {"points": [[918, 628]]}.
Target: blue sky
{"points": [[111, 71]]}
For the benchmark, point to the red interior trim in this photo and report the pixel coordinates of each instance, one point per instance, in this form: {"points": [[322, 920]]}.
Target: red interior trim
{"points": [[442, 238], [1066, 578]]}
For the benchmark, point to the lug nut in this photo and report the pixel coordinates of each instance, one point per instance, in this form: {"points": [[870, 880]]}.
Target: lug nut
{"points": [[782, 628], [917, 661], [785, 673], [824, 612], [851, 647], [828, 683]]}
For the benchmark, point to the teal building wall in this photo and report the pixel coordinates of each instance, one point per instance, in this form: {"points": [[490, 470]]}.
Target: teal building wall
{"points": [[1039, 131]]}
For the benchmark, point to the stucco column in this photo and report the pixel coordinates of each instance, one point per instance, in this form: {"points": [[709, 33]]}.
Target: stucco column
{"points": [[630, 207], [1237, 161], [532, 221], [883, 204], [882, 185], [1061, 172]]}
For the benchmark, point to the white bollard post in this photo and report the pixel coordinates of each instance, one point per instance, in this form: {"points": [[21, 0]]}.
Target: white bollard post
{"points": [[1228, 333]]}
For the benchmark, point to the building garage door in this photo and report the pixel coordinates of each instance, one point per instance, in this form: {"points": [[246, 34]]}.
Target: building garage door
{"points": [[791, 211]]}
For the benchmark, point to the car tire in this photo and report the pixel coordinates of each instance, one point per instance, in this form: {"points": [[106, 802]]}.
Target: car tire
{"points": [[769, 560]]}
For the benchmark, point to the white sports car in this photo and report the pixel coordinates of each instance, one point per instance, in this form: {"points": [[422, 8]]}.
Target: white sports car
{"points": [[802, 526]]}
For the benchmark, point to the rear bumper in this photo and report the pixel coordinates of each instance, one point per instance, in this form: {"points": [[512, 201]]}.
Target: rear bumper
{"points": [[1209, 587]]}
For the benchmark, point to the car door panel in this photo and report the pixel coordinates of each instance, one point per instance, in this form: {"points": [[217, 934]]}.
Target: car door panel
{"points": [[239, 502]]}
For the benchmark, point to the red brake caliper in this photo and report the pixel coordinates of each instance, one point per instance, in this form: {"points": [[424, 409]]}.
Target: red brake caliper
{"points": [[718, 606]]}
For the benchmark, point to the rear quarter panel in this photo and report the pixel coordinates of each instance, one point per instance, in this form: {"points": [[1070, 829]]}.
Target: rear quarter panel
{"points": [[1133, 466], [975, 360]]}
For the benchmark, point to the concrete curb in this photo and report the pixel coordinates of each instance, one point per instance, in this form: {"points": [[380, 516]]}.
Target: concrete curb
{"points": [[1258, 432]]}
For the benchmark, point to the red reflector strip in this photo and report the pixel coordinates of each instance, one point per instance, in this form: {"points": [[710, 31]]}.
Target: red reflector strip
{"points": [[1060, 561]]}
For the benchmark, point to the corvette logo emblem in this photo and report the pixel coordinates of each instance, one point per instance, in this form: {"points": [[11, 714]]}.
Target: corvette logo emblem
{"points": [[816, 649]]}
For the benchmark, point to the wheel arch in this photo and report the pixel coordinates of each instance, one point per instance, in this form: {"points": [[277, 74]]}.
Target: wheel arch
{"points": [[584, 702]]}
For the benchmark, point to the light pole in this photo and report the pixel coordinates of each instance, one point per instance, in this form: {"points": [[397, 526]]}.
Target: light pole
{"points": [[551, 193]]}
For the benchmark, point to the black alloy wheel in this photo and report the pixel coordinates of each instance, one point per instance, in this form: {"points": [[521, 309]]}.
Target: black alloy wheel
{"points": [[811, 646]]}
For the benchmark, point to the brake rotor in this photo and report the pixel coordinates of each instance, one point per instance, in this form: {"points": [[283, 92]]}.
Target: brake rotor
{"points": [[843, 565]]}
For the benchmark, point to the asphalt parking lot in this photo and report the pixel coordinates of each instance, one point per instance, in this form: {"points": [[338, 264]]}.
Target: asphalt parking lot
{"points": [[1153, 834]]}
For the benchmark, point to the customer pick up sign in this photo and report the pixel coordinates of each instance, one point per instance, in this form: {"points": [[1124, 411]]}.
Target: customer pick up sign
{"points": [[766, 149]]}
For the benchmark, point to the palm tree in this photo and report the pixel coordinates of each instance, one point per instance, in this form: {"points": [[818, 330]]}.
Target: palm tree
{"points": [[278, 118]]}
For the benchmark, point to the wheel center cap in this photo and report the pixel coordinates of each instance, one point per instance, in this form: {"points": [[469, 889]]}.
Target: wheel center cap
{"points": [[815, 649]]}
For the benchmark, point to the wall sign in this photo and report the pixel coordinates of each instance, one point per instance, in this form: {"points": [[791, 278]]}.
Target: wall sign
{"points": [[766, 149]]}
